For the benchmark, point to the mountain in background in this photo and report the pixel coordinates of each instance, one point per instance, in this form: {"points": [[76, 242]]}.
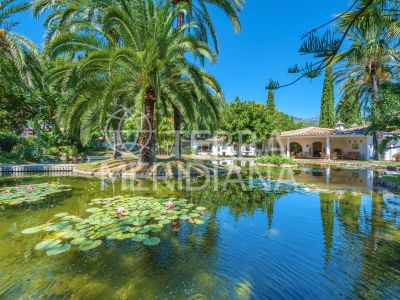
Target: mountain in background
{"points": [[307, 122]]}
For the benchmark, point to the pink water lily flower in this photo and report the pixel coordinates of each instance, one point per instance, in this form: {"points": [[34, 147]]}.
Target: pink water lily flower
{"points": [[169, 205], [202, 213], [6, 192], [30, 188], [120, 212]]}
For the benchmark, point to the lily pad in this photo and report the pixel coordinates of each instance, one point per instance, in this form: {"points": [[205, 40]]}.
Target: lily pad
{"points": [[140, 237], [151, 241], [89, 245], [47, 244], [118, 218], [61, 215], [32, 230], [28, 195], [58, 249]]}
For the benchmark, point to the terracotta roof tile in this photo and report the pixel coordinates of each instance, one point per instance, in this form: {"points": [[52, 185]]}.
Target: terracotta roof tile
{"points": [[318, 131]]}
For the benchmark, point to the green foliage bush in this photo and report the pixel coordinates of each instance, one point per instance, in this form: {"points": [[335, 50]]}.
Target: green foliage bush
{"points": [[53, 151], [32, 153], [187, 150], [275, 160], [68, 151], [8, 141]]}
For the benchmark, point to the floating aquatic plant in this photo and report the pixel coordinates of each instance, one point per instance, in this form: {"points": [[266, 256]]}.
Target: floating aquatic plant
{"points": [[277, 187], [26, 195], [117, 218]]}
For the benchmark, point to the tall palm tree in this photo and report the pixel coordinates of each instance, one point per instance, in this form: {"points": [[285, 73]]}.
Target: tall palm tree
{"points": [[198, 12], [21, 51], [151, 55], [370, 59]]}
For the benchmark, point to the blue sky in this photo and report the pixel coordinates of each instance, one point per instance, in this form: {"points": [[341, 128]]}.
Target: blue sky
{"points": [[266, 47]]}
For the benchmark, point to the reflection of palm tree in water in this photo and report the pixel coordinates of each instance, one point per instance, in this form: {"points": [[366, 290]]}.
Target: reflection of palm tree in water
{"points": [[349, 211], [380, 255]]}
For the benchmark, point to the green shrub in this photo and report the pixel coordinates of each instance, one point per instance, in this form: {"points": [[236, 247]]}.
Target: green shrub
{"points": [[8, 141], [275, 160], [69, 151], [187, 150], [32, 153], [53, 151]]}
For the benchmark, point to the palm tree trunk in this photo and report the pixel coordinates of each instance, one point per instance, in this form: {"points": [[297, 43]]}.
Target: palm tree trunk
{"points": [[177, 113], [375, 89], [147, 155], [177, 128], [117, 153]]}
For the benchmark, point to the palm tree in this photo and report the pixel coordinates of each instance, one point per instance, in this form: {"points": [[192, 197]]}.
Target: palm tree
{"points": [[371, 59], [150, 58], [16, 47], [198, 12]]}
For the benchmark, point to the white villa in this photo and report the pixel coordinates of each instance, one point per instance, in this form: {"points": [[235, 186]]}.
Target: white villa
{"points": [[338, 143], [308, 143], [218, 147]]}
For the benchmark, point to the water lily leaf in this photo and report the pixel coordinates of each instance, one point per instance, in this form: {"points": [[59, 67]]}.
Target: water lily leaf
{"points": [[151, 241], [199, 221], [32, 230], [61, 215], [78, 241], [140, 237], [89, 245], [58, 249], [184, 217], [201, 208], [46, 244]]}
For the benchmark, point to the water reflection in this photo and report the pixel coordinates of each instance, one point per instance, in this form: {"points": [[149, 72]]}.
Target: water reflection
{"points": [[342, 242]]}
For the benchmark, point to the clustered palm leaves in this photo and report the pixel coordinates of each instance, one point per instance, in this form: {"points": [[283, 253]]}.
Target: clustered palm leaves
{"points": [[144, 67], [15, 47], [369, 32], [192, 16]]}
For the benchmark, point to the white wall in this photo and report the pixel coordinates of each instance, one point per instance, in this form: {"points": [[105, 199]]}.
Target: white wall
{"points": [[344, 143], [388, 154]]}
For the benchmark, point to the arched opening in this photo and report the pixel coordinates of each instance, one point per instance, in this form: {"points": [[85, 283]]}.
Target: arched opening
{"points": [[317, 149], [295, 148]]}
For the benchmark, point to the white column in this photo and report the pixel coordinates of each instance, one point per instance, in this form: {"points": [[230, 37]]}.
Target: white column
{"points": [[328, 148], [288, 148], [328, 175]]}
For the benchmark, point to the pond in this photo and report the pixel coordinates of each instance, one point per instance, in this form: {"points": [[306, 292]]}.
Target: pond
{"points": [[339, 239]]}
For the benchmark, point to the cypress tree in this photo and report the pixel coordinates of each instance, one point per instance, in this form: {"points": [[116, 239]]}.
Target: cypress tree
{"points": [[327, 115], [348, 110], [271, 97]]}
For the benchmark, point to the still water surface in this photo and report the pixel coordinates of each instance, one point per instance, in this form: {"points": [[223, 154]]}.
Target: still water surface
{"points": [[327, 245]]}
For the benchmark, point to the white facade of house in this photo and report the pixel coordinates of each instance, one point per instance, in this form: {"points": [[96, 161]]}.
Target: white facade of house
{"points": [[315, 142], [217, 147]]}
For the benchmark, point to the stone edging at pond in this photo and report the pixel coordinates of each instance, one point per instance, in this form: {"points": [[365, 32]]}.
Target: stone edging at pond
{"points": [[36, 168], [348, 164], [144, 175]]}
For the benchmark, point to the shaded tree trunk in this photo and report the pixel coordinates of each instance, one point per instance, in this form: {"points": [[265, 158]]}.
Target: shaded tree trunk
{"points": [[177, 113], [375, 89], [177, 128], [117, 151], [147, 138]]}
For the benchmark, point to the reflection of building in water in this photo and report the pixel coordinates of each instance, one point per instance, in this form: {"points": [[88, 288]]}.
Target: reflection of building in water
{"points": [[330, 176], [231, 162]]}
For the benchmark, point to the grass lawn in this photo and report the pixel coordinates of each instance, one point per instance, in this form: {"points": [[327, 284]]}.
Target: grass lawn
{"points": [[163, 165], [11, 158]]}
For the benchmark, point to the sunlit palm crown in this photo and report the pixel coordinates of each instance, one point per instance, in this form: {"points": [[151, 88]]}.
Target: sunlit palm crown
{"points": [[132, 47], [13, 46]]}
